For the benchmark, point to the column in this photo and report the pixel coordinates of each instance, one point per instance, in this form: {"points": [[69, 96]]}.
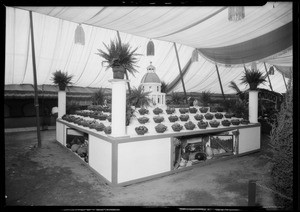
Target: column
{"points": [[61, 103], [253, 106]]}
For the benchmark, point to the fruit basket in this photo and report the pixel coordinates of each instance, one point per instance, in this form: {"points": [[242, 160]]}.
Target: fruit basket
{"points": [[101, 117], [193, 110], [226, 123], [143, 120], [157, 111], [177, 127], [213, 110], [202, 124], [143, 111], [158, 119], [141, 130], [209, 116], [107, 130], [173, 118], [170, 110], [220, 109], [160, 128], [189, 125], [109, 118], [203, 109], [184, 117], [245, 121], [183, 110], [235, 121], [99, 126], [219, 115], [228, 115], [214, 123], [198, 117]]}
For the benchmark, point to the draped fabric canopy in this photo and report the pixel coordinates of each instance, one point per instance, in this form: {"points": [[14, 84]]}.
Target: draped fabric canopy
{"points": [[264, 36]]}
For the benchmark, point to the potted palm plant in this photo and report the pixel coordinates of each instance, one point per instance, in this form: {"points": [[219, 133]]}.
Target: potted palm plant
{"points": [[62, 79], [253, 78], [120, 57]]}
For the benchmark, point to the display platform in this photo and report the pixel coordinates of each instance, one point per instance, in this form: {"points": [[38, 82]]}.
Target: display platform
{"points": [[134, 158]]}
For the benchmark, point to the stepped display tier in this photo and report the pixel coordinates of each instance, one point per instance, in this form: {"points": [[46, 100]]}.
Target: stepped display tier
{"points": [[135, 158]]}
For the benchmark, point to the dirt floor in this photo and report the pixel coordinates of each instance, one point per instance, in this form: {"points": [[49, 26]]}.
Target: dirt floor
{"points": [[53, 176]]}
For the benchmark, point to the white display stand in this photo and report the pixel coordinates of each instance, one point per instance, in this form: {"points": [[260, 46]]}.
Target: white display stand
{"points": [[61, 103]]}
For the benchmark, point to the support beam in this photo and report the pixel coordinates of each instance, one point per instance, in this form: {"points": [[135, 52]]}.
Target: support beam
{"points": [[36, 101], [126, 73], [220, 82], [268, 76], [181, 76]]}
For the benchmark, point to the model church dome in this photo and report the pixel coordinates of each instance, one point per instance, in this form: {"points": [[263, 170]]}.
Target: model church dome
{"points": [[150, 76]]}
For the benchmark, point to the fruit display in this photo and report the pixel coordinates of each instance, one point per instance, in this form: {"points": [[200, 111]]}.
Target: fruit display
{"points": [[160, 128], [143, 120], [193, 110], [214, 123], [143, 111], [203, 109], [244, 121], [170, 110], [209, 116], [157, 111], [173, 118], [213, 110], [228, 115], [235, 121], [219, 115], [226, 123], [107, 130], [202, 124], [158, 119], [183, 110], [198, 117]]}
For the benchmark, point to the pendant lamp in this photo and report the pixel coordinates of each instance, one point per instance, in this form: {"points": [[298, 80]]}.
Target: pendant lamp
{"points": [[271, 70], [150, 48], [79, 35], [236, 13], [195, 55]]}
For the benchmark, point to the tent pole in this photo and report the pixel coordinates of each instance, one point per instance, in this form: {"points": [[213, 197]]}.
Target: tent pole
{"points": [[126, 74], [181, 77], [220, 82], [284, 81], [268, 76], [36, 101]]}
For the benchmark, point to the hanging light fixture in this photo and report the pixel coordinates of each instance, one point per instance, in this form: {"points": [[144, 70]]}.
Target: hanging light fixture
{"points": [[195, 55], [271, 70], [79, 35], [236, 13], [150, 48]]}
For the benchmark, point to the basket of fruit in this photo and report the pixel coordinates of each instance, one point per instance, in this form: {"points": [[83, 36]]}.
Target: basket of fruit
{"points": [[214, 123], [226, 123], [193, 110], [189, 125], [143, 120], [203, 109], [158, 119], [213, 110], [183, 110], [173, 118], [99, 126], [219, 115], [235, 121], [209, 116], [160, 128], [170, 110], [245, 121], [143, 111], [198, 117], [228, 115], [177, 127], [107, 130], [184, 117], [141, 130], [157, 111], [202, 124]]}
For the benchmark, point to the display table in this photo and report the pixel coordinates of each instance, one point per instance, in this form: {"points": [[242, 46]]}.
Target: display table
{"points": [[134, 158]]}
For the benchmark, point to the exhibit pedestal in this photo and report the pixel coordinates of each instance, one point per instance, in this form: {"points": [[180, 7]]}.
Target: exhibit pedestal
{"points": [[61, 103], [253, 106]]}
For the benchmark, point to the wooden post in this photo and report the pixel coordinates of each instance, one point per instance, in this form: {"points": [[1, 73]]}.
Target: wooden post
{"points": [[181, 77], [220, 82], [126, 73], [268, 76], [36, 101], [251, 192]]}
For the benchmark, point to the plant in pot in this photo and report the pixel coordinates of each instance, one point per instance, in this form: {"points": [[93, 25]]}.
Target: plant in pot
{"points": [[202, 124], [143, 120], [214, 123], [226, 122], [160, 128], [143, 111], [158, 119], [177, 127], [235, 121], [183, 110], [170, 110], [173, 118], [62, 79], [184, 117], [193, 110], [253, 78], [209, 116], [157, 111], [141, 130], [219, 115], [203, 109], [189, 125], [198, 117], [120, 57]]}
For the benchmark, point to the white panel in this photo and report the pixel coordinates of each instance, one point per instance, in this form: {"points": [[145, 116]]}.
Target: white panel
{"points": [[100, 156], [143, 158], [60, 132], [249, 139]]}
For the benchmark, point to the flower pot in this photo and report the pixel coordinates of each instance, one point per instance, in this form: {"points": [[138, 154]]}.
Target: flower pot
{"points": [[118, 72], [62, 87]]}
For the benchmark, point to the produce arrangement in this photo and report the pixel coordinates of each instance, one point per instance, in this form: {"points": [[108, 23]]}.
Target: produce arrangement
{"points": [[226, 122], [141, 130], [202, 124], [173, 118], [198, 117], [184, 117], [143, 120], [189, 125], [143, 111], [177, 127], [219, 115], [158, 119], [157, 111], [160, 128], [209, 116], [214, 123], [193, 110]]}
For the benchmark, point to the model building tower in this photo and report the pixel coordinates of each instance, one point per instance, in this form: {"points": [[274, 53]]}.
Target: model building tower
{"points": [[151, 83]]}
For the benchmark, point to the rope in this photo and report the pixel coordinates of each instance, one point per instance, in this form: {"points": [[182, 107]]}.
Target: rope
{"points": [[274, 191]]}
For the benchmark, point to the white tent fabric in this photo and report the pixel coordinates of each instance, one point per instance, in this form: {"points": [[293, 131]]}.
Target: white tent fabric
{"points": [[188, 27]]}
